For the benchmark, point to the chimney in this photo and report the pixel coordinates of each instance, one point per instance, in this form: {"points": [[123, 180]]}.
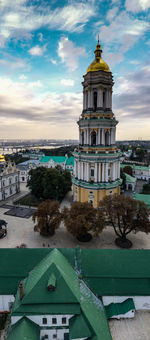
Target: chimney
{"points": [[21, 290]]}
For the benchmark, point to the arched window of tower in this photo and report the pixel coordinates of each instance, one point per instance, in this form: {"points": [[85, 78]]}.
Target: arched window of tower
{"points": [[95, 100], [93, 138], [107, 138]]}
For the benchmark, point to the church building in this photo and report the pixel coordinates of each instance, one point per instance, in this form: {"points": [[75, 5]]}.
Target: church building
{"points": [[97, 160]]}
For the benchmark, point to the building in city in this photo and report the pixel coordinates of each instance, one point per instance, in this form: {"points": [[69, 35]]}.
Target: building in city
{"points": [[138, 171], [97, 160], [25, 167], [9, 180], [72, 293], [67, 163]]}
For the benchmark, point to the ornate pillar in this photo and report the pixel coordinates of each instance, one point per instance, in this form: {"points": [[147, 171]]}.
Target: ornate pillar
{"points": [[100, 97], [87, 136], [103, 172], [98, 142], [82, 171], [89, 98], [106, 172], [99, 172], [103, 137], [95, 179], [79, 170], [88, 172]]}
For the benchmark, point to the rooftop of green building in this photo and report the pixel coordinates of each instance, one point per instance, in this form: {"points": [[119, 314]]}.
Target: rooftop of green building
{"points": [[107, 272], [143, 198]]}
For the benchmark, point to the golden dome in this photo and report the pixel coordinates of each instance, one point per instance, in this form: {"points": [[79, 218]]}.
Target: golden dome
{"points": [[98, 64], [2, 158]]}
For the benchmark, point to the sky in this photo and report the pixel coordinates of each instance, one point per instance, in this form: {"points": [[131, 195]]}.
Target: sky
{"points": [[45, 49]]}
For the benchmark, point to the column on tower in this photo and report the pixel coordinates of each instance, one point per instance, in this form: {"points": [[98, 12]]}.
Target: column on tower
{"points": [[79, 170], [89, 97], [82, 171], [100, 97], [99, 172], [106, 172], [98, 138], [95, 173], [103, 172], [103, 137], [84, 100], [88, 172], [87, 136]]}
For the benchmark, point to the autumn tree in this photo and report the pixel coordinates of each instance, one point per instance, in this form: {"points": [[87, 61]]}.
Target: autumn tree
{"points": [[47, 217], [82, 218], [126, 215]]}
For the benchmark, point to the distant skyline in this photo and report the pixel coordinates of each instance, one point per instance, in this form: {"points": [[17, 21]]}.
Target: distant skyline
{"points": [[46, 47]]}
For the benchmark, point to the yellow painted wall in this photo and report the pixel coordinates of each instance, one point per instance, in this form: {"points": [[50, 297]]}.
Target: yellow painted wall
{"points": [[83, 194]]}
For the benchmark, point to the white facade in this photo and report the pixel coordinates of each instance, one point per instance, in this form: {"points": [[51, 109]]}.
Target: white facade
{"points": [[9, 181], [6, 302], [52, 326]]}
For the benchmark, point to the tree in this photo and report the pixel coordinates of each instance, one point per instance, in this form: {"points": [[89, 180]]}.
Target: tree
{"points": [[35, 182], [125, 215], [81, 218], [48, 217], [128, 170], [49, 183], [123, 177]]}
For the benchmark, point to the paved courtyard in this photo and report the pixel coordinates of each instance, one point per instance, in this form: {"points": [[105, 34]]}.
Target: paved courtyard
{"points": [[20, 230]]}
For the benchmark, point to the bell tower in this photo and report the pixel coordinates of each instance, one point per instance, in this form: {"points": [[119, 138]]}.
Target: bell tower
{"points": [[97, 160]]}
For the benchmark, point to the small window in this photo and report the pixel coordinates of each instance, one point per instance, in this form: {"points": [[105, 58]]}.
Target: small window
{"points": [[108, 172], [46, 336], [44, 320], [92, 172], [54, 336], [54, 321], [91, 192], [64, 321]]}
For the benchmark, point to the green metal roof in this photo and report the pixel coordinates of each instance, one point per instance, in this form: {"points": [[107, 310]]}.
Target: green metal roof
{"points": [[24, 329], [55, 159], [79, 327], [129, 178], [135, 167], [143, 198], [119, 308], [69, 290], [70, 161], [107, 272]]}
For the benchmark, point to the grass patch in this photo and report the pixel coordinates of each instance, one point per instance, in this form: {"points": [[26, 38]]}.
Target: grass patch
{"points": [[28, 200]]}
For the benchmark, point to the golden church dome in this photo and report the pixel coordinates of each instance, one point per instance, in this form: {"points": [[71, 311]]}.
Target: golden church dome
{"points": [[98, 64], [2, 158]]}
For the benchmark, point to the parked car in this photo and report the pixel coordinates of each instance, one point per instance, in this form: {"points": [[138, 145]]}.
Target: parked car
{"points": [[3, 228]]}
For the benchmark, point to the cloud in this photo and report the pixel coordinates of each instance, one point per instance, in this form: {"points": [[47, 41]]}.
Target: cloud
{"points": [[120, 35], [112, 13], [37, 50], [40, 35], [22, 77], [19, 19], [53, 61], [67, 82], [131, 97], [22, 108], [13, 63], [69, 53], [137, 5]]}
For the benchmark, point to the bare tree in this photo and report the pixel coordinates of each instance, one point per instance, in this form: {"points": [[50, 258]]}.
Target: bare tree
{"points": [[48, 217]]}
